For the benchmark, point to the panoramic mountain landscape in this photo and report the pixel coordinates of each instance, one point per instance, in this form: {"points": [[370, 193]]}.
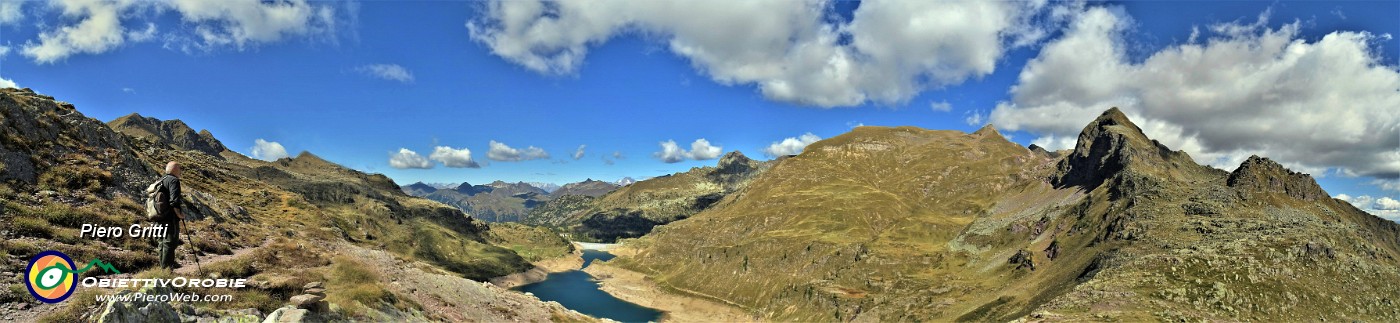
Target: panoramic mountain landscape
{"points": [[335, 225], [699, 161], [887, 224]]}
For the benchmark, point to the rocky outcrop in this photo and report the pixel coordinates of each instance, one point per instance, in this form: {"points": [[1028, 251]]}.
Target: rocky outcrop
{"points": [[733, 169], [1038, 150], [1258, 174], [1109, 145], [1023, 259], [40, 141], [169, 133]]}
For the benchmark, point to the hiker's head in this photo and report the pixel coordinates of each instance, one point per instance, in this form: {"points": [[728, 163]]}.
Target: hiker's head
{"points": [[172, 169]]}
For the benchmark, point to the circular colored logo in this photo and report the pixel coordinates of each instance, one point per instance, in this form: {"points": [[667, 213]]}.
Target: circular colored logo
{"points": [[50, 276]]}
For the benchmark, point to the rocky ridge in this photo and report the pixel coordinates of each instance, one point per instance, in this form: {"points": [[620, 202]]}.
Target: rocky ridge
{"points": [[169, 133]]}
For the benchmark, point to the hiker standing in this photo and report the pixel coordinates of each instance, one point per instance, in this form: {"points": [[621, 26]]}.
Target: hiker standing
{"points": [[169, 200]]}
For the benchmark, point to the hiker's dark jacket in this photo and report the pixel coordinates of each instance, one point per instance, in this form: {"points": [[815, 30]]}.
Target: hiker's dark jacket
{"points": [[174, 199]]}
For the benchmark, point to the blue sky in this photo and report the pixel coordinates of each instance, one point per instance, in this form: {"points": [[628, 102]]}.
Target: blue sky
{"points": [[308, 84]]}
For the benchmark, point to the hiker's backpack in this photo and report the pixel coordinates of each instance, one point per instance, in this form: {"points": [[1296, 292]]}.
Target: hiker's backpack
{"points": [[153, 195]]}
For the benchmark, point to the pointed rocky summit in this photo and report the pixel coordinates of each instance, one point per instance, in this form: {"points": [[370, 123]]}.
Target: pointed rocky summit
{"points": [[1259, 174], [1109, 145]]}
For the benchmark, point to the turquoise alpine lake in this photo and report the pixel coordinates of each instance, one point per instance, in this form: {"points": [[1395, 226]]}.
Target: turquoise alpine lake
{"points": [[579, 291]]}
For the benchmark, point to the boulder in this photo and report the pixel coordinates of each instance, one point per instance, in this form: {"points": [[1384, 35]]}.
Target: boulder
{"points": [[137, 310], [306, 301], [1023, 259], [287, 314]]}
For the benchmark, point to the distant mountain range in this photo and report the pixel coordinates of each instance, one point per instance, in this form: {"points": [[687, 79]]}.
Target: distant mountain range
{"points": [[500, 201]]}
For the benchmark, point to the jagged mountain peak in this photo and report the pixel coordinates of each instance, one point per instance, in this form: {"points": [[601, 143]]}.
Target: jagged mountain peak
{"points": [[171, 133], [1111, 144], [733, 157], [1260, 174]]}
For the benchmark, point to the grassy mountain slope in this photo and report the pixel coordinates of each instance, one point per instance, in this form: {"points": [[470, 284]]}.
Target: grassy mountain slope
{"points": [[911, 224]]}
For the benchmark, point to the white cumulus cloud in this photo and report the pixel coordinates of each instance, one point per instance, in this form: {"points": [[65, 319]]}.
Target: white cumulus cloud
{"points": [[455, 158], [791, 50], [242, 23], [1312, 104], [268, 150], [790, 145], [10, 12], [1384, 206], [501, 152], [391, 72], [699, 150], [1387, 203], [98, 30], [578, 154], [94, 27], [406, 159]]}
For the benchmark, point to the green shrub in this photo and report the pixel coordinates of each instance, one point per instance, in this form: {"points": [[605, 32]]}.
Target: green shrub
{"points": [[356, 287], [233, 268], [75, 178], [14, 293], [21, 248], [33, 227], [67, 216]]}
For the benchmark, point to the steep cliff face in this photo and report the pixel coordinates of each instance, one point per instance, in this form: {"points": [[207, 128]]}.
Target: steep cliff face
{"points": [[909, 224]]}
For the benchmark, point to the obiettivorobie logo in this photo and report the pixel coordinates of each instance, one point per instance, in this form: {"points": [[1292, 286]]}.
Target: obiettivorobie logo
{"points": [[52, 276]]}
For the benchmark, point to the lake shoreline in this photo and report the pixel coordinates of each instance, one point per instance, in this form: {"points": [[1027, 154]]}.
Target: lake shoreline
{"points": [[637, 288], [542, 269]]}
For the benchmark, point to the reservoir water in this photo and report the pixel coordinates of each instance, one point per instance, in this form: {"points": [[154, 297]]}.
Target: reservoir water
{"points": [[579, 291]]}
